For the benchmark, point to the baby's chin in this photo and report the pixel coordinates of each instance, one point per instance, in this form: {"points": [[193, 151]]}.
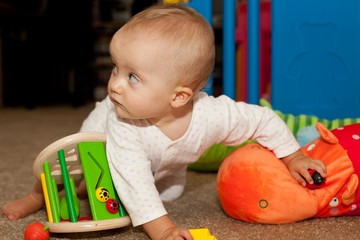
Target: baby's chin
{"points": [[121, 112]]}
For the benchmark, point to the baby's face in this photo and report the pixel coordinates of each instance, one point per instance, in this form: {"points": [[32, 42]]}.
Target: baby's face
{"points": [[141, 84]]}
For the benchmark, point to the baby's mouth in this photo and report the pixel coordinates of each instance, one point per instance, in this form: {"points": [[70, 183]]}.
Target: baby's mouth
{"points": [[114, 101], [119, 105]]}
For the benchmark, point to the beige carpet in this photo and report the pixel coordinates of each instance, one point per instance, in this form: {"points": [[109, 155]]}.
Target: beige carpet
{"points": [[24, 133]]}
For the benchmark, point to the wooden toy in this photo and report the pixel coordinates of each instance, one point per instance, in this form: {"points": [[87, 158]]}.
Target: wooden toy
{"points": [[67, 161]]}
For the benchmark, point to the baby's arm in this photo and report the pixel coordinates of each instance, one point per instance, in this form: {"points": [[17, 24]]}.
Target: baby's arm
{"points": [[163, 228], [298, 165]]}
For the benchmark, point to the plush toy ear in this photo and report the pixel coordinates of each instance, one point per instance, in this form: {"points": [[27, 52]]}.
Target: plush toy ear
{"points": [[325, 134], [348, 196]]}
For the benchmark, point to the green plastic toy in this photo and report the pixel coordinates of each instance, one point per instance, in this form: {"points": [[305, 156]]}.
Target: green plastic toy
{"points": [[99, 185]]}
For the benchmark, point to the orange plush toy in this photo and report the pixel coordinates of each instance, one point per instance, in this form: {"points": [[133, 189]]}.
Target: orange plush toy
{"points": [[255, 186]]}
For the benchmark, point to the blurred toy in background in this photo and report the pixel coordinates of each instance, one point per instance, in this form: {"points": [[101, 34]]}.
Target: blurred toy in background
{"points": [[306, 135], [297, 122]]}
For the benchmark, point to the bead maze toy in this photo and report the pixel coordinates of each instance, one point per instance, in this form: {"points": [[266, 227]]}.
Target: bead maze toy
{"points": [[69, 160]]}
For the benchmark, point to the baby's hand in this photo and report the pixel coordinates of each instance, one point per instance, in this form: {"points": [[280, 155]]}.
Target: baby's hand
{"points": [[299, 164], [163, 228], [177, 233]]}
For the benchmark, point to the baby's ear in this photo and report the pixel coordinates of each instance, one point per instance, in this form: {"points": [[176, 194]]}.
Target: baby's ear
{"points": [[181, 96]]}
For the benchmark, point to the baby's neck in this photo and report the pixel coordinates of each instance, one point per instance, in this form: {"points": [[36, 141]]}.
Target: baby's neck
{"points": [[175, 124]]}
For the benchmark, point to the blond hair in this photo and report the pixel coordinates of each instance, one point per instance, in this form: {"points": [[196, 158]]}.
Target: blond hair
{"points": [[189, 38]]}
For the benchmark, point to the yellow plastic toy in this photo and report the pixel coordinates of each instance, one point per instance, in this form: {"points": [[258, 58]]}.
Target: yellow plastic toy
{"points": [[201, 234]]}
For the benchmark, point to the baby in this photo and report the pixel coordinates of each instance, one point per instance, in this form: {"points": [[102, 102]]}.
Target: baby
{"points": [[157, 120]]}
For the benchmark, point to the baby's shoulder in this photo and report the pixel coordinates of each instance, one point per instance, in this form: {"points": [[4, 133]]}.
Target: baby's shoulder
{"points": [[204, 102]]}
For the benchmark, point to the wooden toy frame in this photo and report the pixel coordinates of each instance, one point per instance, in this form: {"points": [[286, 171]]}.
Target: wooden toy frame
{"points": [[70, 146]]}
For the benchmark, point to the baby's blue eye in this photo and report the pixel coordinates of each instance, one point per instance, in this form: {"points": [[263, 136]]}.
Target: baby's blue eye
{"points": [[133, 78]]}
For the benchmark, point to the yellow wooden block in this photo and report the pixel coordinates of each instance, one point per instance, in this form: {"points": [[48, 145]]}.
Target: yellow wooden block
{"points": [[201, 234]]}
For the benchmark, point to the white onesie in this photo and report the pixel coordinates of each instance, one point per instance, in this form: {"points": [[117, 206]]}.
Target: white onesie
{"points": [[148, 167]]}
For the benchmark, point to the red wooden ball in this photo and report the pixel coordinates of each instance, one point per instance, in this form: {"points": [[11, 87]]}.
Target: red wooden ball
{"points": [[36, 231]]}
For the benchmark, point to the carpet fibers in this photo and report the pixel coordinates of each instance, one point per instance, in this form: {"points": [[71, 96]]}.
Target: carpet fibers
{"points": [[24, 133]]}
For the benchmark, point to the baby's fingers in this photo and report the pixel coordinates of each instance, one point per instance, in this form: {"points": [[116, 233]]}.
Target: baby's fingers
{"points": [[319, 167], [301, 179], [307, 176]]}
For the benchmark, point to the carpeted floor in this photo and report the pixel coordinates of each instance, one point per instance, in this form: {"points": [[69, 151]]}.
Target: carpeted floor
{"points": [[24, 133]]}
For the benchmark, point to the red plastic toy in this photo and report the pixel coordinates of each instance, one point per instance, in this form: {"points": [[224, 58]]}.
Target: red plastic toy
{"points": [[36, 231]]}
